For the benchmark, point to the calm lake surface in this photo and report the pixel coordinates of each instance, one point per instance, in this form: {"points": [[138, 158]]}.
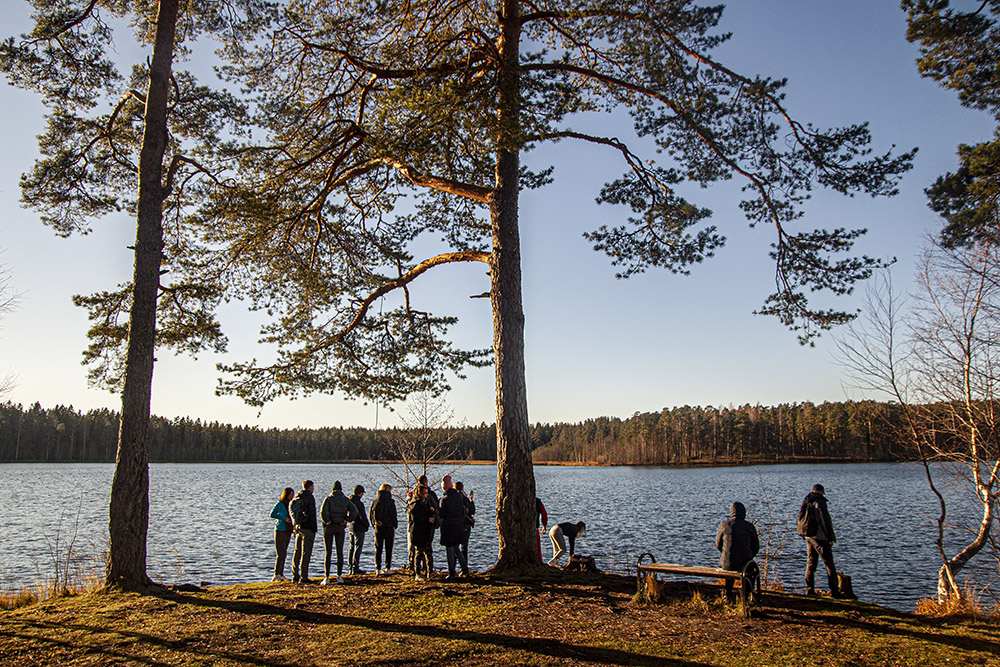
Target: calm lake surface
{"points": [[210, 522]]}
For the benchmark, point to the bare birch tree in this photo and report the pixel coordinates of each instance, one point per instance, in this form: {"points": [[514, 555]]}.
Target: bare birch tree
{"points": [[937, 357]]}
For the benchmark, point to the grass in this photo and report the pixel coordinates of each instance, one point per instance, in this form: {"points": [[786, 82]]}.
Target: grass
{"points": [[556, 619]]}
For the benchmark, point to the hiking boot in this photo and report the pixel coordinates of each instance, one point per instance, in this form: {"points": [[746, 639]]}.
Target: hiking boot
{"points": [[340, 579]]}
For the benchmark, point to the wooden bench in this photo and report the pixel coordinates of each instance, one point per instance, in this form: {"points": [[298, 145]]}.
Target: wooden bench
{"points": [[749, 577]]}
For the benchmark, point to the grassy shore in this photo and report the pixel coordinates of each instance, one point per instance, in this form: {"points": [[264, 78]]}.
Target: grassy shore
{"points": [[558, 619]]}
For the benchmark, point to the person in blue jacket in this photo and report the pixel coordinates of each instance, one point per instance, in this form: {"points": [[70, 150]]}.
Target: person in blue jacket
{"points": [[282, 532]]}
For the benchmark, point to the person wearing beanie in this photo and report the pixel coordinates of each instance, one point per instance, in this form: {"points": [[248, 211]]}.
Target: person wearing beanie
{"points": [[357, 528], [336, 512], [737, 541], [453, 516], [384, 519]]}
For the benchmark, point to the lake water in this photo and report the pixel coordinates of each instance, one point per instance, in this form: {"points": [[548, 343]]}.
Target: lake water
{"points": [[210, 522]]}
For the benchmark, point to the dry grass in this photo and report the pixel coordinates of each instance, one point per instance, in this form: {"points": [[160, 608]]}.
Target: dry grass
{"points": [[553, 619]]}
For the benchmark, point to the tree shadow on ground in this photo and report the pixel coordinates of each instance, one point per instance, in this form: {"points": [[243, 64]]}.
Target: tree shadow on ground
{"points": [[119, 652], [540, 646]]}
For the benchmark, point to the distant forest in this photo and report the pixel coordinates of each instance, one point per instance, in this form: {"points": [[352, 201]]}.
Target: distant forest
{"points": [[848, 431]]}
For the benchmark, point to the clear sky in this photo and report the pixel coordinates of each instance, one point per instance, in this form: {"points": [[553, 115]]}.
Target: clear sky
{"points": [[594, 345]]}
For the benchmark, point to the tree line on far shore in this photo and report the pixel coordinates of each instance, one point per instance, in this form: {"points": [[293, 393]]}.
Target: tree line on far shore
{"points": [[843, 431]]}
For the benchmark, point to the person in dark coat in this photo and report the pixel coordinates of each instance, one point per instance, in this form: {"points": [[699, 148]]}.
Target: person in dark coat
{"points": [[384, 519], [815, 525], [433, 500], [423, 521], [541, 524], [336, 512], [357, 529], [305, 533], [737, 540], [470, 521], [453, 515]]}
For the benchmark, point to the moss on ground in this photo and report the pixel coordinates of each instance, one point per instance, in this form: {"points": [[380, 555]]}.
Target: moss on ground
{"points": [[558, 619]]}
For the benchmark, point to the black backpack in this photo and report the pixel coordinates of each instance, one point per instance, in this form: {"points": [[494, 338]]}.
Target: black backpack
{"points": [[298, 512], [808, 520]]}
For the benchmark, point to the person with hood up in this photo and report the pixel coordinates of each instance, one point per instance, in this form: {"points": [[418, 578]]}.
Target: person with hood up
{"points": [[336, 511], [304, 519], [385, 520], [815, 525], [453, 516], [737, 540], [357, 528]]}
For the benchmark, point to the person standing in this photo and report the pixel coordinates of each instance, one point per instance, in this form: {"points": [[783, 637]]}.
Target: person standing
{"points": [[470, 518], [559, 534], [453, 515], [384, 520], [282, 532], [816, 526], [337, 510], [737, 541], [541, 524], [358, 527], [303, 511], [422, 517], [433, 500]]}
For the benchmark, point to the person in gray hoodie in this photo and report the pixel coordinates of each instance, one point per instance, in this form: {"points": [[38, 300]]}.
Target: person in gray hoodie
{"points": [[737, 540], [336, 511], [815, 525]]}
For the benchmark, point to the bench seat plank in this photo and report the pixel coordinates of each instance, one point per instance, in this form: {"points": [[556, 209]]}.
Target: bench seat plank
{"points": [[674, 568]]}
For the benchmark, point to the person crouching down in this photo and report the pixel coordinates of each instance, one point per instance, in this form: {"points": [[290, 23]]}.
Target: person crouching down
{"points": [[559, 534], [737, 540]]}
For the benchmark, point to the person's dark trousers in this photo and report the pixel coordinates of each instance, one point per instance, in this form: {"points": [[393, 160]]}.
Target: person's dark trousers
{"points": [[454, 553], [304, 539], [354, 553], [281, 540], [422, 560], [331, 534], [816, 549], [465, 543], [384, 540]]}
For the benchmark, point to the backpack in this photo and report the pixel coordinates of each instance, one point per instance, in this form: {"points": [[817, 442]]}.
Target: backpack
{"points": [[298, 512], [808, 520]]}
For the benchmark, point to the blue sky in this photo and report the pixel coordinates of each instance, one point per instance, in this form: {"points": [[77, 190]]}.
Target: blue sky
{"points": [[594, 345]]}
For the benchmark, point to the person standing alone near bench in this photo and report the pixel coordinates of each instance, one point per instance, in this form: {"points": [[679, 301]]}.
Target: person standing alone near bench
{"points": [[815, 525], [737, 540]]}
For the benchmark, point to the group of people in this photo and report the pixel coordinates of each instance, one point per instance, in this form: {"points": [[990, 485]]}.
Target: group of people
{"points": [[344, 519], [738, 542]]}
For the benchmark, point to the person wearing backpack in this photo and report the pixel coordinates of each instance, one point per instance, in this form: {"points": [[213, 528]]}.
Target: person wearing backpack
{"points": [[357, 528], [336, 512], [303, 511], [384, 520], [815, 525]]}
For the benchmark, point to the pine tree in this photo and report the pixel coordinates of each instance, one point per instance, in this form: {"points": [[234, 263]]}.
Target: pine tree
{"points": [[367, 101]]}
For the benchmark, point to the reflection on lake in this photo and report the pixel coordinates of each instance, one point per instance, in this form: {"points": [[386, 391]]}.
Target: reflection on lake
{"points": [[209, 522]]}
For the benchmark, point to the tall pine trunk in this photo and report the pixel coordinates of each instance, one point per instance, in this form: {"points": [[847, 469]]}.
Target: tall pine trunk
{"points": [[515, 476], [129, 508]]}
